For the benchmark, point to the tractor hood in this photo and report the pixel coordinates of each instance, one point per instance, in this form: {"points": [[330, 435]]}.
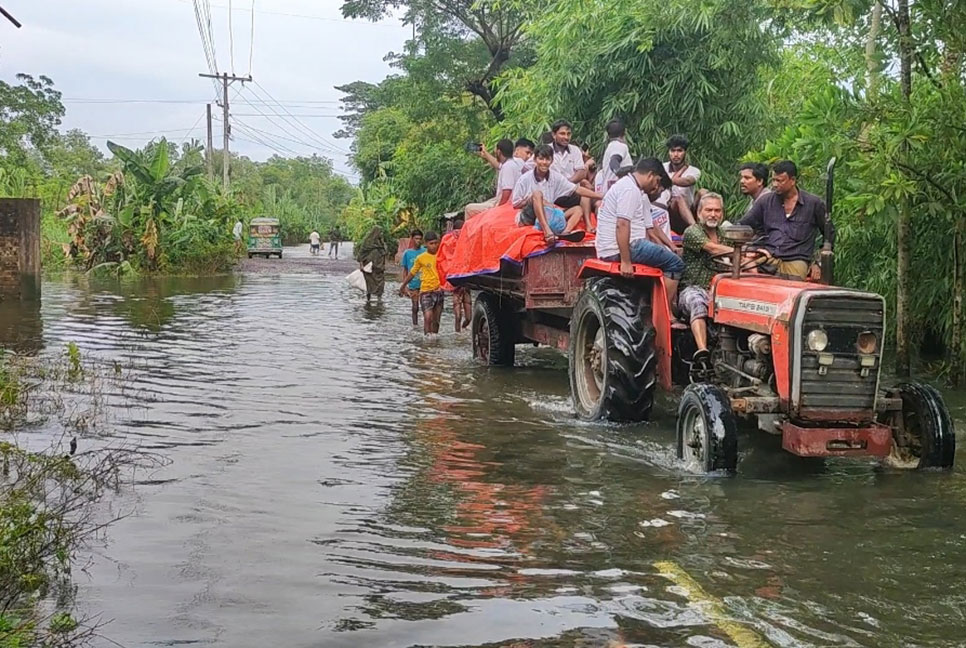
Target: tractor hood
{"points": [[757, 302]]}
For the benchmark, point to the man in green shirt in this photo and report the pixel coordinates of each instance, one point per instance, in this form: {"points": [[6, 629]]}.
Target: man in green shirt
{"points": [[702, 241]]}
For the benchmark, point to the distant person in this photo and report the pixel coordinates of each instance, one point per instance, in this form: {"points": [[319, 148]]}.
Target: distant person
{"points": [[430, 292], [462, 304], [236, 232], [408, 260], [753, 181], [372, 254], [334, 237], [789, 220], [315, 243], [684, 176]]}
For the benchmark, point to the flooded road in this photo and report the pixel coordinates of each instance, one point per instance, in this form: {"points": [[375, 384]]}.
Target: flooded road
{"points": [[337, 481]]}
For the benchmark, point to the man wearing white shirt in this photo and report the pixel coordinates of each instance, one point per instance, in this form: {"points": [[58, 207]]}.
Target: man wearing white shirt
{"points": [[536, 193], [624, 219], [683, 179], [504, 151], [615, 156], [568, 161]]}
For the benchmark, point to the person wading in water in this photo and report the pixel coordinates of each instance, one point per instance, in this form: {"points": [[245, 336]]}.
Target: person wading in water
{"points": [[374, 250]]}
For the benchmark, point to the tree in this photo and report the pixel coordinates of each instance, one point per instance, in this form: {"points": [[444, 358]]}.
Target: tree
{"points": [[29, 115], [468, 42], [597, 60]]}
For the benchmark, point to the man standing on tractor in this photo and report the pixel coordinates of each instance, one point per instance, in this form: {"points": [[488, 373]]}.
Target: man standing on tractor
{"points": [[753, 182], [624, 219], [616, 155], [702, 241], [568, 161], [536, 192], [788, 219], [680, 198]]}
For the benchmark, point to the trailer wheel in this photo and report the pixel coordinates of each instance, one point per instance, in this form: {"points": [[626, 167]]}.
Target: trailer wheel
{"points": [[707, 432], [612, 357], [494, 342], [923, 432]]}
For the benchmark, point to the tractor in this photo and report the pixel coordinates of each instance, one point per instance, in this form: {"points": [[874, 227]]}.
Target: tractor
{"points": [[801, 360]]}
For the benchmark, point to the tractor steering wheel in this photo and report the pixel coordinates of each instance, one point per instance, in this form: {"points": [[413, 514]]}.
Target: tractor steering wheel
{"points": [[750, 259]]}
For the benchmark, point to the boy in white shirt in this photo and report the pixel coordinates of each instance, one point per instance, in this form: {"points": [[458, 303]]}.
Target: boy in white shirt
{"points": [[615, 156], [538, 192], [684, 177]]}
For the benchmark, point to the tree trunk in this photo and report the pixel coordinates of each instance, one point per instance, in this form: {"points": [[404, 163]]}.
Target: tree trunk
{"points": [[871, 60], [957, 350], [904, 229]]}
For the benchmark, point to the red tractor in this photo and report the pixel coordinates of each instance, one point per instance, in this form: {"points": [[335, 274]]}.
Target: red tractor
{"points": [[803, 360]]}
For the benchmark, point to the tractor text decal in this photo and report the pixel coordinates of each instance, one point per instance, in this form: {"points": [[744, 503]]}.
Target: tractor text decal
{"points": [[747, 306]]}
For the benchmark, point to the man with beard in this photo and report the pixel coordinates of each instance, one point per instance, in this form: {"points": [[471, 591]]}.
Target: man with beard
{"points": [[702, 241]]}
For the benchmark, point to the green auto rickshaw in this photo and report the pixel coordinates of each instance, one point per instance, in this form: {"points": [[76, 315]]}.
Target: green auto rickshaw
{"points": [[264, 237]]}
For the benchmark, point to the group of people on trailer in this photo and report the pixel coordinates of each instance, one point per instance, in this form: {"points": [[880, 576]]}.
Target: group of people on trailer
{"points": [[557, 186]]}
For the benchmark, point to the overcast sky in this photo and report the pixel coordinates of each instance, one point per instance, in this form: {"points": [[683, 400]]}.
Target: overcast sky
{"points": [[128, 69]]}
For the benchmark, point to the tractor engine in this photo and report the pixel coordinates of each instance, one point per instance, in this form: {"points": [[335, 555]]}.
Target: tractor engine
{"points": [[743, 361]]}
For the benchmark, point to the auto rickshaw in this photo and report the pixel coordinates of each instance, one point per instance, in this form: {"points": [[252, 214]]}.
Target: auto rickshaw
{"points": [[264, 237]]}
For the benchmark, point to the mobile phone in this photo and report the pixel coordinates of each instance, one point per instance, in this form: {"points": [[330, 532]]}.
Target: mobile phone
{"points": [[473, 147]]}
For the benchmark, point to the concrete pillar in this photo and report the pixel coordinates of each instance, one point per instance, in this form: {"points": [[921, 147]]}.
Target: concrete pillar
{"points": [[19, 248]]}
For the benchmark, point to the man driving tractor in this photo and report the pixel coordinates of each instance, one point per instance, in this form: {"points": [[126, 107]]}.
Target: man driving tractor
{"points": [[788, 219], [702, 242]]}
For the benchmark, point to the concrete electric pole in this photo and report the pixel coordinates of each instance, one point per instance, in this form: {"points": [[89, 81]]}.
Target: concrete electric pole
{"points": [[210, 152], [225, 79]]}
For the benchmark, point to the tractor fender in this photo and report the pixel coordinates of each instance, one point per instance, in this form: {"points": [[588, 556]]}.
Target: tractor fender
{"points": [[660, 311]]}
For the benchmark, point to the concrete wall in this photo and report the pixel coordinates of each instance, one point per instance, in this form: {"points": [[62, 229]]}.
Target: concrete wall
{"points": [[19, 248]]}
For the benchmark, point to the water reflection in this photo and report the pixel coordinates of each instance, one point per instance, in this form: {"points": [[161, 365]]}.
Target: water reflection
{"points": [[21, 326], [349, 483]]}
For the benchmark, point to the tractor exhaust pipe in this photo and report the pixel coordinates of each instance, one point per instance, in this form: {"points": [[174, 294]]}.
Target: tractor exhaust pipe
{"points": [[826, 258]]}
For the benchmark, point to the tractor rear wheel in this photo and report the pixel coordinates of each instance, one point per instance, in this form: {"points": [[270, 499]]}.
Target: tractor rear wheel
{"points": [[923, 433], [494, 340], [707, 430], [612, 357]]}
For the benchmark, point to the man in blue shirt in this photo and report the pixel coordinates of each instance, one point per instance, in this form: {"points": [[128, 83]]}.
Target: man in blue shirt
{"points": [[408, 259]]}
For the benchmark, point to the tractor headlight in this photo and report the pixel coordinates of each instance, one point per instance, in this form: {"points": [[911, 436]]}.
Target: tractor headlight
{"points": [[867, 343], [817, 340]]}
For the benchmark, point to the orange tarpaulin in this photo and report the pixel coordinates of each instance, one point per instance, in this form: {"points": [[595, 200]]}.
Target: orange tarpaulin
{"points": [[486, 240]]}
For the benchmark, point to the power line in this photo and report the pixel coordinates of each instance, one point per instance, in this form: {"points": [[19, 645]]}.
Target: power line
{"points": [[311, 17], [280, 124], [295, 103], [278, 114], [251, 43], [302, 125], [231, 41]]}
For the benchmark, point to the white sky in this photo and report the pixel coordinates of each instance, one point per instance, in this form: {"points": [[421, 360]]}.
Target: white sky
{"points": [[99, 52]]}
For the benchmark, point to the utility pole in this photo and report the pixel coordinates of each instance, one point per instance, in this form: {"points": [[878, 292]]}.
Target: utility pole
{"points": [[225, 79], [210, 157]]}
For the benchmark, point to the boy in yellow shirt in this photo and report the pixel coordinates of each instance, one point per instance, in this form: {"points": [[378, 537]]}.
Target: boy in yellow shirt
{"points": [[430, 293]]}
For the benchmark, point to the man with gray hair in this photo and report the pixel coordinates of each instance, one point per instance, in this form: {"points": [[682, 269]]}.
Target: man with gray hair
{"points": [[702, 241]]}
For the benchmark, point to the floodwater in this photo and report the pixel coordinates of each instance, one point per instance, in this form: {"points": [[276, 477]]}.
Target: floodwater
{"points": [[336, 480]]}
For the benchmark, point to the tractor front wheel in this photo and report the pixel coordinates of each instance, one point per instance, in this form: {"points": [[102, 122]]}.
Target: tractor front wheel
{"points": [[493, 335], [707, 430], [923, 433], [612, 356]]}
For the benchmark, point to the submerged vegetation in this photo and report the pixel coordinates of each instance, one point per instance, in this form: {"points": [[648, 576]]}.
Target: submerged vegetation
{"points": [[48, 498]]}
